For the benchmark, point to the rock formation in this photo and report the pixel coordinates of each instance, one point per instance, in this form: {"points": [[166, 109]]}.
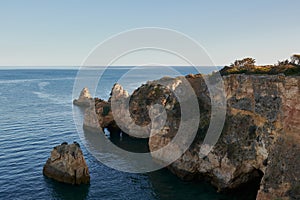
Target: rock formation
{"points": [[67, 164], [260, 139], [100, 116], [84, 99]]}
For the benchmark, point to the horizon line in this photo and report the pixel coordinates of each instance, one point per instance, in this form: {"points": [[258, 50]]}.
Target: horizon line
{"points": [[74, 66]]}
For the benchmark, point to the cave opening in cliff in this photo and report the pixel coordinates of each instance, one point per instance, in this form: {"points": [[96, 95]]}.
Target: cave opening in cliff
{"points": [[249, 189]]}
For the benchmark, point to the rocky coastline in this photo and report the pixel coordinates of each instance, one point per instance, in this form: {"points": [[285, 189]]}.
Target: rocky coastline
{"points": [[260, 141]]}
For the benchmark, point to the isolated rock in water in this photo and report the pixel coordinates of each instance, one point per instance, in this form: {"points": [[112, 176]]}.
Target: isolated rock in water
{"points": [[84, 99], [67, 164]]}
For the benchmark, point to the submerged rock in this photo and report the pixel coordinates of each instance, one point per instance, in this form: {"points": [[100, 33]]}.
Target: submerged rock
{"points": [[84, 99], [67, 164]]}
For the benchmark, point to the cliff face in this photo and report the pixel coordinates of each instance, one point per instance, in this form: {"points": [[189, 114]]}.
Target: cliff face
{"points": [[260, 139], [282, 176]]}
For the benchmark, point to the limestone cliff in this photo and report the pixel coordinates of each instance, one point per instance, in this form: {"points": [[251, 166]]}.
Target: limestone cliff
{"points": [[260, 139]]}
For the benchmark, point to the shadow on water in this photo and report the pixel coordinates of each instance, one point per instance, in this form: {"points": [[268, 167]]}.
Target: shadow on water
{"points": [[164, 184], [167, 186], [124, 141], [67, 191]]}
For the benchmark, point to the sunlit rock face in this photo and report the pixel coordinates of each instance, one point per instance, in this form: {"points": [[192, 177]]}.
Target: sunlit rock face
{"points": [[84, 99], [260, 140], [67, 164], [99, 114]]}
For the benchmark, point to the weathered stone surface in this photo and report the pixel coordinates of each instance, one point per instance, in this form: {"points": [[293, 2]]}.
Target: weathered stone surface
{"points": [[67, 164], [99, 114], [260, 139], [282, 176], [91, 122], [84, 99]]}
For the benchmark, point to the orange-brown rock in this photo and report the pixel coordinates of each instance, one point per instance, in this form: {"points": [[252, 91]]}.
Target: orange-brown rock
{"points": [[260, 140], [67, 164]]}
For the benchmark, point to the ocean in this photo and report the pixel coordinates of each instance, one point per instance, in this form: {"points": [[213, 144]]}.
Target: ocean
{"points": [[36, 115]]}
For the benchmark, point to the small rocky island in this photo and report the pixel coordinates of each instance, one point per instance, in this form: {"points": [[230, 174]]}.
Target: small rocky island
{"points": [[67, 164], [260, 141], [84, 99]]}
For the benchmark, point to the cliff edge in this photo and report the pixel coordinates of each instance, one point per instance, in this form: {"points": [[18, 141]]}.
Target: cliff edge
{"points": [[260, 140]]}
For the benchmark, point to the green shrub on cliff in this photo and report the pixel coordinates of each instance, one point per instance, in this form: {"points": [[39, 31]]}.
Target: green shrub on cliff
{"points": [[247, 66]]}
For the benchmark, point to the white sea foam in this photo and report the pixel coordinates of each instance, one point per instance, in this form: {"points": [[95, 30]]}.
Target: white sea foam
{"points": [[32, 80], [42, 85], [53, 98]]}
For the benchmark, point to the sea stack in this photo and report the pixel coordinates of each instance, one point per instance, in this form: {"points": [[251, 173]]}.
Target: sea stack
{"points": [[84, 99], [67, 164]]}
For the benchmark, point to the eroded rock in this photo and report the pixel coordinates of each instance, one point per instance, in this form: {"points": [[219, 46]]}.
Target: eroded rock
{"points": [[85, 98], [260, 139], [99, 115], [67, 164]]}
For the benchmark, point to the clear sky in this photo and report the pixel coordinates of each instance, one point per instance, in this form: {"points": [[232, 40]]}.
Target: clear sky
{"points": [[63, 32]]}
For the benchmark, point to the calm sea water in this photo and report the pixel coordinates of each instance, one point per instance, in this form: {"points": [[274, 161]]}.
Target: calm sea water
{"points": [[36, 115]]}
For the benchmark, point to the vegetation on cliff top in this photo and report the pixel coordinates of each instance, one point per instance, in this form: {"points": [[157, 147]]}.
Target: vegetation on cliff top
{"points": [[247, 66]]}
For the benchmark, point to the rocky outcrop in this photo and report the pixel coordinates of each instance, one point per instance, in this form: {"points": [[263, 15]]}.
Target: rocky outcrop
{"points": [[67, 164], [84, 99], [260, 137], [99, 115], [91, 122], [259, 142]]}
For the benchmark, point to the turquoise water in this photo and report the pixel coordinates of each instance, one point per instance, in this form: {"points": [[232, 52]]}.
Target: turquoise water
{"points": [[36, 115]]}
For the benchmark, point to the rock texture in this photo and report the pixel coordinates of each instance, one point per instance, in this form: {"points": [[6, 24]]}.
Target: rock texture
{"points": [[99, 115], [282, 176], [67, 164], [84, 99], [260, 140], [260, 137]]}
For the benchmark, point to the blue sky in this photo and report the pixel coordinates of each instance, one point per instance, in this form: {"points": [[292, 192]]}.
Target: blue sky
{"points": [[63, 32]]}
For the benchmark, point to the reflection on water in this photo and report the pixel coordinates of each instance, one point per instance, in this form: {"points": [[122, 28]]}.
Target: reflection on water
{"points": [[168, 186], [67, 191], [128, 143]]}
